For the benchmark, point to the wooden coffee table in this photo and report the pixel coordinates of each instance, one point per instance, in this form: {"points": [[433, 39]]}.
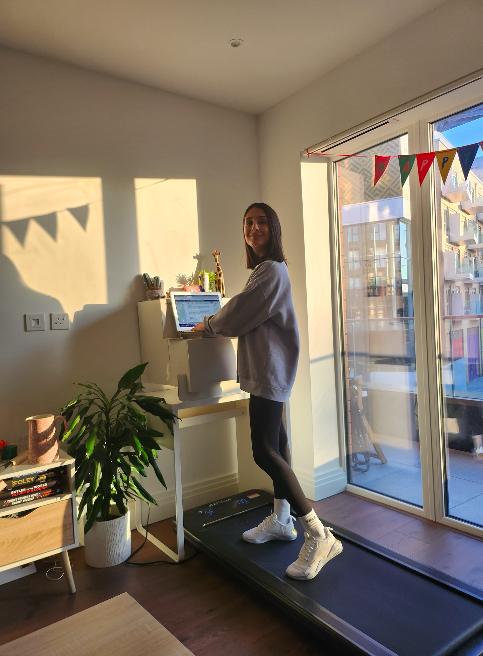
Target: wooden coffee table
{"points": [[117, 627]]}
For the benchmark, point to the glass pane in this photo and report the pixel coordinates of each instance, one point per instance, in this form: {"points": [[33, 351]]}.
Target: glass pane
{"points": [[375, 228], [459, 216]]}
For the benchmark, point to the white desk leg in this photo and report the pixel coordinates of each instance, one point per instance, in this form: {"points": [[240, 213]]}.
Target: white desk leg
{"points": [[178, 490]]}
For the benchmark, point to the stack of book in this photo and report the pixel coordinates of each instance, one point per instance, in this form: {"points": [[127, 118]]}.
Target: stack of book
{"points": [[31, 487]]}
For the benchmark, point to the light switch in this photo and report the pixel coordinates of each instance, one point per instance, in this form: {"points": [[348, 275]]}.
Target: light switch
{"points": [[34, 322]]}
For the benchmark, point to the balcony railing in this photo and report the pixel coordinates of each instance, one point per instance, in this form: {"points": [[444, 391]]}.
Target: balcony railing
{"points": [[455, 269], [455, 193], [460, 308], [478, 245], [476, 306], [464, 233], [473, 207]]}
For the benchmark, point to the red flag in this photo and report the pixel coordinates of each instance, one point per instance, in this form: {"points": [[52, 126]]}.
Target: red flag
{"points": [[380, 165], [424, 161]]}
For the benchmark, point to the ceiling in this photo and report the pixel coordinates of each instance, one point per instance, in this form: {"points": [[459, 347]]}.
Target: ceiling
{"points": [[182, 45]]}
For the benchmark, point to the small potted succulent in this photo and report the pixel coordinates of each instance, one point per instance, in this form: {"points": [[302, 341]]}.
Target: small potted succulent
{"points": [[154, 287], [112, 445]]}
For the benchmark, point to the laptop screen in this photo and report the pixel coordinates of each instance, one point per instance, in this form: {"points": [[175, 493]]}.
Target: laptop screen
{"points": [[191, 309]]}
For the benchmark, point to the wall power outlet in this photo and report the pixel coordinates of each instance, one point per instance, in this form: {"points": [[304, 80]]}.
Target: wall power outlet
{"points": [[59, 321]]}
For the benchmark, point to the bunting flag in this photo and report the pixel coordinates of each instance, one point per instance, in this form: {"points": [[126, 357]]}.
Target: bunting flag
{"points": [[466, 155], [406, 163], [424, 161], [445, 159], [380, 165]]}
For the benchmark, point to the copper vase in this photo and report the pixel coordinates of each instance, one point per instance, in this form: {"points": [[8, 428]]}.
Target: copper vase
{"points": [[43, 444]]}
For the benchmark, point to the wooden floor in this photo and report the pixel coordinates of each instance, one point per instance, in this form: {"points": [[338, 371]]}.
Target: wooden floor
{"points": [[209, 610], [454, 553]]}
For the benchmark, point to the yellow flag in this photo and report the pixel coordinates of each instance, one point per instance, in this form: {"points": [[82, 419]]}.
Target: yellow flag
{"points": [[445, 159]]}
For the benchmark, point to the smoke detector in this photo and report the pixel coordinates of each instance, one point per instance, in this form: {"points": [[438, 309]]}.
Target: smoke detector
{"points": [[236, 43]]}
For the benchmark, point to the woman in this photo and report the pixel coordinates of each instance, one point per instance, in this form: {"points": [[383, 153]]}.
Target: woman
{"points": [[262, 316]]}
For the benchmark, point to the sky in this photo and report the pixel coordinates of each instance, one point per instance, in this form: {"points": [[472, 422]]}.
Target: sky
{"points": [[468, 133]]}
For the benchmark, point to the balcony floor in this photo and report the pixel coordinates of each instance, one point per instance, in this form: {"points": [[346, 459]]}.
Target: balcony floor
{"points": [[401, 478]]}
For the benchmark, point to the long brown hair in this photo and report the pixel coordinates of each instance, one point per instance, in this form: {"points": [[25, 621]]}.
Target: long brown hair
{"points": [[275, 248]]}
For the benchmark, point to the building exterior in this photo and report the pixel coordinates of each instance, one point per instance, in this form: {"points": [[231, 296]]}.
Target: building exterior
{"points": [[459, 207], [377, 271]]}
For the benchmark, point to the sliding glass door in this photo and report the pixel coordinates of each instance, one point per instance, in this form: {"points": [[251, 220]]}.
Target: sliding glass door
{"points": [[380, 361], [409, 269], [459, 223]]}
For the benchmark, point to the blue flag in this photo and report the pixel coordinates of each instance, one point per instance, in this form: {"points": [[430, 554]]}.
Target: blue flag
{"points": [[467, 156]]}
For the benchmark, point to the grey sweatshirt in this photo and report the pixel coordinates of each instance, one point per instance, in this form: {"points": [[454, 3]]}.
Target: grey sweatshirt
{"points": [[262, 316]]}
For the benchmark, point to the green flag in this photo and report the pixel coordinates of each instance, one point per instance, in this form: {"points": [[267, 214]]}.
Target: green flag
{"points": [[405, 165]]}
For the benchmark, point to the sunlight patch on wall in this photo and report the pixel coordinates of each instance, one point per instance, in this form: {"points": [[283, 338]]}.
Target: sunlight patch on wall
{"points": [[52, 229], [168, 238]]}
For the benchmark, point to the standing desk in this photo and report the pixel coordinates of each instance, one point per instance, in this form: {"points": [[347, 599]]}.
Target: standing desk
{"points": [[194, 412]]}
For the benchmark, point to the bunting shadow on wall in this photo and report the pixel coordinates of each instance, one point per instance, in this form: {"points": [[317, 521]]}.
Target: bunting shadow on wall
{"points": [[52, 230], [48, 222]]}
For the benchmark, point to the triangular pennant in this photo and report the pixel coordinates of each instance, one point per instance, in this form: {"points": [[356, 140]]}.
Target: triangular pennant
{"points": [[466, 155], [48, 223], [445, 159], [80, 214], [380, 165], [19, 228], [406, 163], [424, 161]]}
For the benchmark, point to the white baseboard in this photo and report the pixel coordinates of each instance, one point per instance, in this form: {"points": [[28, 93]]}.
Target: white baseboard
{"points": [[17, 573], [195, 494], [322, 483], [328, 483]]}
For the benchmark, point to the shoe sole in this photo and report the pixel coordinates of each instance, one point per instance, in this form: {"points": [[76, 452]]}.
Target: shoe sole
{"points": [[269, 538], [335, 550]]}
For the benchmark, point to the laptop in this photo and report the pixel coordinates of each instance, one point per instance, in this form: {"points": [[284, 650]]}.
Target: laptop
{"points": [[190, 308]]}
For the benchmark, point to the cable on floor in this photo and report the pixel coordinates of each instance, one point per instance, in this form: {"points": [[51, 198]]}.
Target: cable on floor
{"points": [[153, 562], [57, 567]]}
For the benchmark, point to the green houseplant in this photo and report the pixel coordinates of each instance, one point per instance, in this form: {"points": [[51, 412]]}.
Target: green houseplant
{"points": [[112, 445]]}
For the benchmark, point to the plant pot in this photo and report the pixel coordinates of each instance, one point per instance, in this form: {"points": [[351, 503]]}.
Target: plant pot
{"points": [[108, 543], [154, 293]]}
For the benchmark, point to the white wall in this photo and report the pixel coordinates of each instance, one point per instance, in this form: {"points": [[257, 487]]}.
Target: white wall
{"points": [[58, 120], [438, 48]]}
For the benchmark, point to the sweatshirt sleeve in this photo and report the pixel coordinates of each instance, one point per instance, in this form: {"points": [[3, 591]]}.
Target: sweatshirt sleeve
{"points": [[249, 308]]}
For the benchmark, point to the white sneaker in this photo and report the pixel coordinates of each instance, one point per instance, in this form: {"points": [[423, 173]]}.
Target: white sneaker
{"points": [[315, 553], [271, 529]]}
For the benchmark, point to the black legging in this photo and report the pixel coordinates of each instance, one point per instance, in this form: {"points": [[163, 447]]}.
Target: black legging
{"points": [[271, 452]]}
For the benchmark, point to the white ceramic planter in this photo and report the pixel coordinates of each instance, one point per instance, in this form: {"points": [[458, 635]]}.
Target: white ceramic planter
{"points": [[108, 543]]}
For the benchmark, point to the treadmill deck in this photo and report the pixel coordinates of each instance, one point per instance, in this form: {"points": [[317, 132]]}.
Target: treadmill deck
{"points": [[368, 599]]}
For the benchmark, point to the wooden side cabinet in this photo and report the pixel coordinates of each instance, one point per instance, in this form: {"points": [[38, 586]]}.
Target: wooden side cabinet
{"points": [[44, 527]]}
